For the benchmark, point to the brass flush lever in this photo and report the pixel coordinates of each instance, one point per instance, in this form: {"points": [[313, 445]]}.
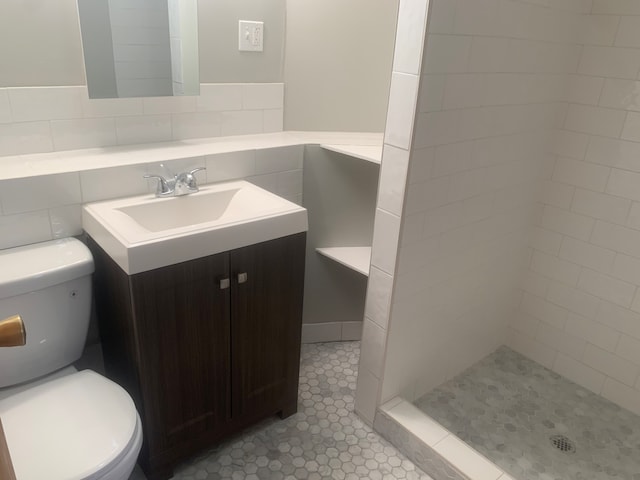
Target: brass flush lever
{"points": [[12, 332]]}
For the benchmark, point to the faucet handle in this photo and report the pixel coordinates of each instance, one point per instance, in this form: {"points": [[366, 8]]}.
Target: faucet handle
{"points": [[197, 170], [163, 187]]}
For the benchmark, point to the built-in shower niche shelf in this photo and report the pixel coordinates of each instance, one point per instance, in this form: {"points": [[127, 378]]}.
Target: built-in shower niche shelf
{"points": [[355, 258], [370, 153]]}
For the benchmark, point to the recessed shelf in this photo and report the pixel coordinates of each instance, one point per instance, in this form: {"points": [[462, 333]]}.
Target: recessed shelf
{"points": [[370, 153], [355, 258]]}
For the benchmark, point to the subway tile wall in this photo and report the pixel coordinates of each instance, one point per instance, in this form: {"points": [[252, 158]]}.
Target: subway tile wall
{"points": [[403, 99], [48, 119], [492, 90], [36, 209], [580, 309]]}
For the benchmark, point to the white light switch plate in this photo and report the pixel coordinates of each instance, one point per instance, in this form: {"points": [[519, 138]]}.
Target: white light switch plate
{"points": [[250, 36]]}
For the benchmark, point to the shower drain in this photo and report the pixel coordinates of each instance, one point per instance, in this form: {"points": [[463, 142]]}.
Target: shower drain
{"points": [[562, 443]]}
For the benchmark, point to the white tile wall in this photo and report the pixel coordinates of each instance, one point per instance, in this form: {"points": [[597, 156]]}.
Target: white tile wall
{"points": [[39, 208], [401, 117], [493, 73], [47, 119], [590, 201]]}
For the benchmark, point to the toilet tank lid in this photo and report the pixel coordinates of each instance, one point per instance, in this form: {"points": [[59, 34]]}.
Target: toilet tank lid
{"points": [[41, 265]]}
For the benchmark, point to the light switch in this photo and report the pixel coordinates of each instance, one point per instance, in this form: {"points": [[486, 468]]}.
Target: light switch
{"points": [[250, 36]]}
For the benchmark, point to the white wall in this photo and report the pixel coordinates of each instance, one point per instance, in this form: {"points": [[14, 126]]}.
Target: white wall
{"points": [[488, 97], [40, 42], [580, 310], [338, 64], [220, 60]]}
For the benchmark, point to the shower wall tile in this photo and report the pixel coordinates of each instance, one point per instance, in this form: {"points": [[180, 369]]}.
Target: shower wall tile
{"points": [[493, 76], [396, 158], [626, 268], [378, 300], [621, 94], [628, 32], [600, 226], [392, 179], [374, 340], [610, 62], [586, 254], [47, 119], [385, 241], [579, 373], [622, 394], [616, 7], [599, 29], [611, 365], [572, 299], [602, 206], [367, 393], [401, 111], [621, 319], [412, 21]]}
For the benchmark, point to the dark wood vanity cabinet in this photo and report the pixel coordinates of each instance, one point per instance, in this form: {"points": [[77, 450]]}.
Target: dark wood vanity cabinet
{"points": [[206, 347]]}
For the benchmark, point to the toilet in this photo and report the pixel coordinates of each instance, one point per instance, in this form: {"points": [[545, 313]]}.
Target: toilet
{"points": [[59, 423]]}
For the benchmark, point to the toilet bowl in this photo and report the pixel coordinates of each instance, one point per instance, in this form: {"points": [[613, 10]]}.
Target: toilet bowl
{"points": [[59, 423]]}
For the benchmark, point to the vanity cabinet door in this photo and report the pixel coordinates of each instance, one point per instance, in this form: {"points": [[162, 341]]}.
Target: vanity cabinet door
{"points": [[266, 304], [182, 328]]}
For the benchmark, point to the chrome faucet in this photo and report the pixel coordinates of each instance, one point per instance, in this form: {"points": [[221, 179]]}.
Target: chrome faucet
{"points": [[182, 184]]}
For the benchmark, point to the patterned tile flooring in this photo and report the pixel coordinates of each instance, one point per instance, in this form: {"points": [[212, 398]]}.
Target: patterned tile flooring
{"points": [[507, 408], [324, 440]]}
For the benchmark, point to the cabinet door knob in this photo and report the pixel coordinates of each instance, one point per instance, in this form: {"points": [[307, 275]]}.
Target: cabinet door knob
{"points": [[224, 283], [242, 277]]}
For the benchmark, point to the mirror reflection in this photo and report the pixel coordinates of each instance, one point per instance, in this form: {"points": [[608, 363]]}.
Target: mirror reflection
{"points": [[140, 48]]}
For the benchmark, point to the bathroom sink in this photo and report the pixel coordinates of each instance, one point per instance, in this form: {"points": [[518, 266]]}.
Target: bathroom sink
{"points": [[144, 232]]}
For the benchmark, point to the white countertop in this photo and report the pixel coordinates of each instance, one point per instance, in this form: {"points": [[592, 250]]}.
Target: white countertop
{"points": [[21, 166]]}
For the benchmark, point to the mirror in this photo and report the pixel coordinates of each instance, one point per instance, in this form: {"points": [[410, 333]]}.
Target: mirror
{"points": [[140, 48]]}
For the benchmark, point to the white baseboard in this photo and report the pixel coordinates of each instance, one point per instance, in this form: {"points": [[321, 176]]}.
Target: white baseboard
{"points": [[331, 332]]}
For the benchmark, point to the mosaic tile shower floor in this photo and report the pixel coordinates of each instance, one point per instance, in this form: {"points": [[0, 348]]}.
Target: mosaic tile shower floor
{"points": [[507, 408], [324, 440]]}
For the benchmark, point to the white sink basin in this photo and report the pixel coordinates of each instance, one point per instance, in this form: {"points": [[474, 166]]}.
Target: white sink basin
{"points": [[144, 232]]}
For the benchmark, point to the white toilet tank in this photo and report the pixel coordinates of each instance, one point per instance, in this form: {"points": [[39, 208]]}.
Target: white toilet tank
{"points": [[49, 285]]}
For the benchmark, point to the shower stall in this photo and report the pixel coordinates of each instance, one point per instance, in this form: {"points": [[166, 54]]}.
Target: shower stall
{"points": [[503, 307]]}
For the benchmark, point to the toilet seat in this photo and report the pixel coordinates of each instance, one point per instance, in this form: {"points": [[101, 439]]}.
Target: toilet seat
{"points": [[78, 427]]}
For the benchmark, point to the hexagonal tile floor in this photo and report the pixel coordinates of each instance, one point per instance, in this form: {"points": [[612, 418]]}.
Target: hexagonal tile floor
{"points": [[535, 424], [324, 440]]}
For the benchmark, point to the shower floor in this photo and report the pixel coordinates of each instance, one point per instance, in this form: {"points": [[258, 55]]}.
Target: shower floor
{"points": [[508, 408]]}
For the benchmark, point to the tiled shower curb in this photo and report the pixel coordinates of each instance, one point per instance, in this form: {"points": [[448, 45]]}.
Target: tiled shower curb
{"points": [[417, 451], [430, 446]]}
